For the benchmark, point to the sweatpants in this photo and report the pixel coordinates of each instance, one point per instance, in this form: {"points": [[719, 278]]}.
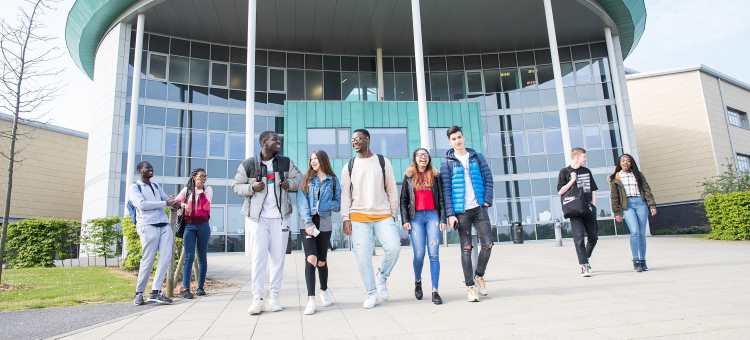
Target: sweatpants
{"points": [[269, 238], [154, 240]]}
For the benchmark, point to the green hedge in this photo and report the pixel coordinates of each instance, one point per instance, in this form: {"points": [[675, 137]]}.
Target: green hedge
{"points": [[38, 242], [729, 215]]}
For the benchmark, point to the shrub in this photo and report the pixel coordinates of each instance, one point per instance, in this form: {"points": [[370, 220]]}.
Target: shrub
{"points": [[37, 242], [132, 244], [729, 215], [730, 180]]}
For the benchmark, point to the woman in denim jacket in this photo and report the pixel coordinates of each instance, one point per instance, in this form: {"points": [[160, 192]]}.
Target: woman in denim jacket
{"points": [[320, 196]]}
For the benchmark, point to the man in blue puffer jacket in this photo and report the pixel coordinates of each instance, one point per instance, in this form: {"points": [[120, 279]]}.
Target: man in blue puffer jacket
{"points": [[467, 190]]}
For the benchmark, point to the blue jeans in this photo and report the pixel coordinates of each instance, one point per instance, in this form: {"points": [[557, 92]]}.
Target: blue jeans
{"points": [[424, 228], [195, 234], [636, 217], [363, 241]]}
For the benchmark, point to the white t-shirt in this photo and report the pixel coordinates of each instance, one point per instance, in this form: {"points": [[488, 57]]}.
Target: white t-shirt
{"points": [[270, 209], [470, 200]]}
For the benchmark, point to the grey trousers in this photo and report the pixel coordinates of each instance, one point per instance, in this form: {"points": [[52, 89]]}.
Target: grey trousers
{"points": [[153, 240]]}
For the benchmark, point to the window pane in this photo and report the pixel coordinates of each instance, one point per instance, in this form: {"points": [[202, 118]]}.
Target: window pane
{"points": [[390, 142], [457, 84], [439, 86], [528, 77], [350, 85], [583, 72], [536, 142], [198, 72], [217, 220], [592, 137], [553, 141], [474, 82], [368, 83], [389, 86], [321, 139], [154, 115], [198, 143], [296, 84], [332, 85], [238, 77], [219, 74], [178, 69], [198, 95], [173, 143], [404, 89], [237, 146], [158, 66], [533, 121], [313, 85], [344, 147], [276, 80], [509, 79], [153, 141]]}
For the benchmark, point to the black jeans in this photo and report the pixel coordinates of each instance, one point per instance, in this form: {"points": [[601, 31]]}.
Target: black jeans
{"points": [[317, 246], [585, 225], [478, 218]]}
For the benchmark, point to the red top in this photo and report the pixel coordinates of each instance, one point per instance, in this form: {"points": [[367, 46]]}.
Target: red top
{"points": [[201, 212], [424, 201]]}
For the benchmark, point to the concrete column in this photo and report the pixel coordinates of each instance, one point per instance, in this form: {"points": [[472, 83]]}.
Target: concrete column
{"points": [[250, 99], [381, 83], [617, 87], [562, 110], [416, 21], [134, 96], [133, 122]]}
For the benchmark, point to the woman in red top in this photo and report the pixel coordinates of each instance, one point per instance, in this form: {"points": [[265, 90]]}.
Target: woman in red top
{"points": [[423, 216], [195, 199]]}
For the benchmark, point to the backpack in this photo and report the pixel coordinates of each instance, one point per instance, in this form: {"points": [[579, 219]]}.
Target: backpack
{"points": [[381, 160], [131, 208]]}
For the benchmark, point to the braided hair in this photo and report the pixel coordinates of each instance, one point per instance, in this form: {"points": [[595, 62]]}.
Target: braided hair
{"points": [[191, 185]]}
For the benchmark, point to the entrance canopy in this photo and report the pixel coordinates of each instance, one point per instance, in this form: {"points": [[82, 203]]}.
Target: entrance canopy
{"points": [[360, 26]]}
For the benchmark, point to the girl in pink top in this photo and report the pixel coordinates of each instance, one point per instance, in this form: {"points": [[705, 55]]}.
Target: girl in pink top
{"points": [[195, 199]]}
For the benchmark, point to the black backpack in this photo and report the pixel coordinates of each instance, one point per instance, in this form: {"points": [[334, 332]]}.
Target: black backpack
{"points": [[381, 160]]}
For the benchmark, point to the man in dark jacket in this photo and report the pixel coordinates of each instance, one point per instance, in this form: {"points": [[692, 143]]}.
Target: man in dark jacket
{"points": [[467, 185]]}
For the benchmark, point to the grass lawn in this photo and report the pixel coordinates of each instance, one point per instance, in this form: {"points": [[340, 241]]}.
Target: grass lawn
{"points": [[54, 287]]}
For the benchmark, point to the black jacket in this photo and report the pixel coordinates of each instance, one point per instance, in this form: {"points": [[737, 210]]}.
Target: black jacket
{"points": [[408, 209]]}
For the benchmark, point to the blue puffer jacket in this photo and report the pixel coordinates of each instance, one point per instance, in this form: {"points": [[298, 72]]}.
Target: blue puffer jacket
{"points": [[454, 186], [329, 201]]}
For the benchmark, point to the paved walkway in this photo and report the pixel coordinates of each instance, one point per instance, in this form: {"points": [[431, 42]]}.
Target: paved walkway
{"points": [[697, 289]]}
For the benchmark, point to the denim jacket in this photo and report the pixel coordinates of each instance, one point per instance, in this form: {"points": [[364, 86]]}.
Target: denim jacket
{"points": [[310, 204]]}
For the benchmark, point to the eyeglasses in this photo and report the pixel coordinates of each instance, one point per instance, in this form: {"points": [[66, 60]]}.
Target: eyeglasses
{"points": [[203, 177], [359, 139], [423, 154]]}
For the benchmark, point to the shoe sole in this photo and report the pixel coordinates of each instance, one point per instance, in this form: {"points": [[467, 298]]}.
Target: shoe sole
{"points": [[254, 313]]}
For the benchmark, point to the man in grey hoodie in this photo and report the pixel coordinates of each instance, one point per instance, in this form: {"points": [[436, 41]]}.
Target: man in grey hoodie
{"points": [[265, 182]]}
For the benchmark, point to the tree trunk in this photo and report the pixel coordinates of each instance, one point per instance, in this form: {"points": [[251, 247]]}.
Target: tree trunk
{"points": [[8, 192]]}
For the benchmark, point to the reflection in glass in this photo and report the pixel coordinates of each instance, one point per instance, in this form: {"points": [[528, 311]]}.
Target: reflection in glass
{"points": [[178, 69], [368, 83], [457, 85], [350, 86], [198, 72], [313, 85], [404, 89], [296, 84], [391, 141], [439, 86]]}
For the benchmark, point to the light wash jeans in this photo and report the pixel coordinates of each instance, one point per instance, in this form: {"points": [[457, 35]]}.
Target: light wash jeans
{"points": [[636, 217], [425, 233], [363, 241]]}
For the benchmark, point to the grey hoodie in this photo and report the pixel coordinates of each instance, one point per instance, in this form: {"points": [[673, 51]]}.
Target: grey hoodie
{"points": [[253, 204]]}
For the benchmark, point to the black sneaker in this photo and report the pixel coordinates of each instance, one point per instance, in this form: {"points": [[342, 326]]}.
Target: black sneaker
{"points": [[200, 292], [418, 290], [643, 265], [138, 299], [436, 299], [186, 294], [163, 299], [153, 297]]}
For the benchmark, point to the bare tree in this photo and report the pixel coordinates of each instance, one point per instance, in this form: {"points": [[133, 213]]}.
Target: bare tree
{"points": [[26, 81]]}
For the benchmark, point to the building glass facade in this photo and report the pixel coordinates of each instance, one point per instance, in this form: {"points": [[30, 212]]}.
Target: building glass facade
{"points": [[192, 104]]}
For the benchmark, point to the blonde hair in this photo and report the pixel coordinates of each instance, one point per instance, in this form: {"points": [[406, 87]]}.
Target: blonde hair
{"points": [[577, 151]]}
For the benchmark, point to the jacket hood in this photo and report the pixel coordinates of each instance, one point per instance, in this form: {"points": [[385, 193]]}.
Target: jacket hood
{"points": [[452, 153]]}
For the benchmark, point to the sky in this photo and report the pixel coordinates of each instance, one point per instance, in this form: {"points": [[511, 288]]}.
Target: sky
{"points": [[678, 33]]}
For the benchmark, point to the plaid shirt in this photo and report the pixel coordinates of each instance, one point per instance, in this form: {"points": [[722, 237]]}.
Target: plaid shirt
{"points": [[630, 184]]}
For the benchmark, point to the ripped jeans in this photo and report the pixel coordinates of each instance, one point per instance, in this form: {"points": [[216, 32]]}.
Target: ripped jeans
{"points": [[425, 233], [478, 218]]}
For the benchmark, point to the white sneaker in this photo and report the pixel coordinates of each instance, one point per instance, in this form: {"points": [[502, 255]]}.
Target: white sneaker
{"points": [[471, 294], [274, 305], [370, 302], [381, 284], [588, 268], [482, 285], [584, 271], [256, 307], [326, 299], [310, 308]]}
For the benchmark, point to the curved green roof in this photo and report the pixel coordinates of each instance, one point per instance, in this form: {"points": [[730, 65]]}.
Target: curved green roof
{"points": [[88, 21]]}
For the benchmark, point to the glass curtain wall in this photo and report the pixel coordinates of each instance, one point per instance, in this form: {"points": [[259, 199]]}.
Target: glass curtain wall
{"points": [[193, 99]]}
